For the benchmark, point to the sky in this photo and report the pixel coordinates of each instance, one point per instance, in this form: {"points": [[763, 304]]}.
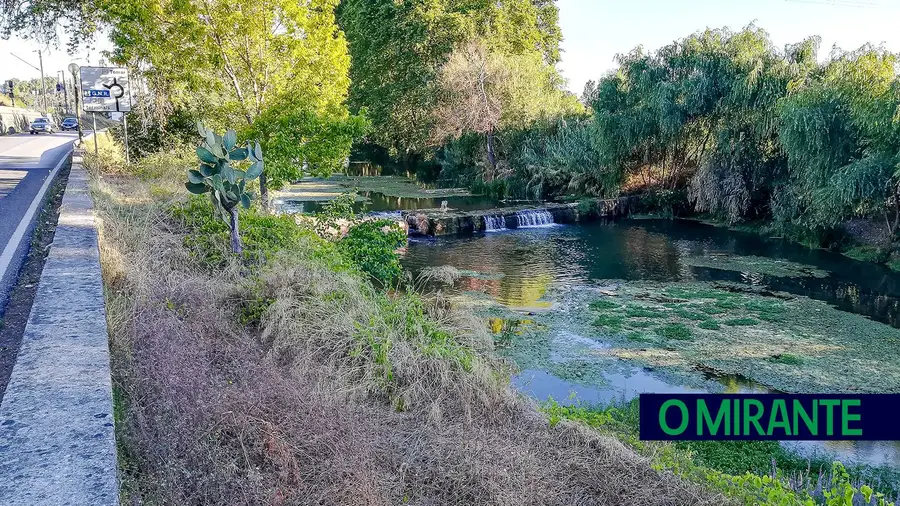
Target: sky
{"points": [[55, 58], [594, 31]]}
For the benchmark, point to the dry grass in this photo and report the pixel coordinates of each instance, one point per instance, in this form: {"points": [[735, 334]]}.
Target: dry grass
{"points": [[300, 408]]}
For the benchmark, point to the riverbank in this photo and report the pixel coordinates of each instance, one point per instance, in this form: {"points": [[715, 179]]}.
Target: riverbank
{"points": [[596, 314], [862, 245], [286, 377]]}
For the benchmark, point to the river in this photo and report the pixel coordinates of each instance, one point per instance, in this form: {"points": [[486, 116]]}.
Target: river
{"points": [[536, 279]]}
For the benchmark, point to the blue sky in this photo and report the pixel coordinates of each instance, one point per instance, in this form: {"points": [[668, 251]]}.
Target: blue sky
{"points": [[594, 31]]}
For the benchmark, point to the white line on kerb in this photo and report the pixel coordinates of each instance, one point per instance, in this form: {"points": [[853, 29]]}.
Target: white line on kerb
{"points": [[16, 238]]}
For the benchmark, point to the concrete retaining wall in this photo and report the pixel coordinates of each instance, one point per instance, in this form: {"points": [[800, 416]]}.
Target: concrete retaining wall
{"points": [[436, 222], [57, 438]]}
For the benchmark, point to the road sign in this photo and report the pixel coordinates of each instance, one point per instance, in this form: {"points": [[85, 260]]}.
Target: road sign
{"points": [[105, 89]]}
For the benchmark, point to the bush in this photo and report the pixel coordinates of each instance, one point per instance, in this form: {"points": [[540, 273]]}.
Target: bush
{"points": [[372, 246]]}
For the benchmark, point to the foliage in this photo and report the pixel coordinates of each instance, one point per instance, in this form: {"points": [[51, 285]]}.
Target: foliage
{"points": [[225, 184], [372, 246], [750, 472], [263, 235], [399, 47], [277, 68]]}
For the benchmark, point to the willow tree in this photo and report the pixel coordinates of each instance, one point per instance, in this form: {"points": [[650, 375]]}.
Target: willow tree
{"points": [[247, 64], [841, 134]]}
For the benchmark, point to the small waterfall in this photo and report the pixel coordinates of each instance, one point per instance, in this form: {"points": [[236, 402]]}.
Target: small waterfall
{"points": [[494, 223], [534, 218]]}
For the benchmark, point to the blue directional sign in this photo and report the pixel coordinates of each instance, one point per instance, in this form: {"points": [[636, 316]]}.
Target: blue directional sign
{"points": [[98, 93]]}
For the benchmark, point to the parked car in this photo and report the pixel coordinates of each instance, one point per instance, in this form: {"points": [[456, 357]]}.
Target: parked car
{"points": [[41, 125], [69, 124]]}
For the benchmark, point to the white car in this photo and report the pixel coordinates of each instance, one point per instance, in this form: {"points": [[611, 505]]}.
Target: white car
{"points": [[41, 125]]}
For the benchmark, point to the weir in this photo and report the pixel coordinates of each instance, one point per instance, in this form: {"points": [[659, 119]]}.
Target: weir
{"points": [[440, 222]]}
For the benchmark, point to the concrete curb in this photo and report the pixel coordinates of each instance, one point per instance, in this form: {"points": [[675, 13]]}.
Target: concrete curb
{"points": [[57, 438]]}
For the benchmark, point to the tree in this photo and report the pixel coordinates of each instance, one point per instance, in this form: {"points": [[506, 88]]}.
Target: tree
{"points": [[398, 47], [263, 64], [482, 91]]}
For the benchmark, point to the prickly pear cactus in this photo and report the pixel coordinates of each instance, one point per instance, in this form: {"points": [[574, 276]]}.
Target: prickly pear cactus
{"points": [[225, 183]]}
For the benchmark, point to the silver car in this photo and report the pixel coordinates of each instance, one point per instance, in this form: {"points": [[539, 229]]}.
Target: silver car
{"points": [[41, 125]]}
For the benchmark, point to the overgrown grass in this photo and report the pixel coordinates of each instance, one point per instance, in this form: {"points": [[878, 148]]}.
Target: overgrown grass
{"points": [[286, 377], [750, 472]]}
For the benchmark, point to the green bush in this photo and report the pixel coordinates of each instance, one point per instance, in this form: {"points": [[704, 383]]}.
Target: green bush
{"points": [[372, 247]]}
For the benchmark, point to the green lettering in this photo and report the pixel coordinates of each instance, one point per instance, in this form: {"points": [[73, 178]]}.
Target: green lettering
{"points": [[846, 417], [829, 404], [704, 417], [811, 423], [684, 417], [779, 418], [754, 417]]}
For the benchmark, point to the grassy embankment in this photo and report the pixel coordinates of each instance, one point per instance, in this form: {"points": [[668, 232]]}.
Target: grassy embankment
{"points": [[287, 377]]}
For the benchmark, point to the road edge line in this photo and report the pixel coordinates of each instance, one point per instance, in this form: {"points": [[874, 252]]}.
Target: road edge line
{"points": [[15, 239]]}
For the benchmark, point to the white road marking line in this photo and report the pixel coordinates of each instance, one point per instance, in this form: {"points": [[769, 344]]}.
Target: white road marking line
{"points": [[16, 238]]}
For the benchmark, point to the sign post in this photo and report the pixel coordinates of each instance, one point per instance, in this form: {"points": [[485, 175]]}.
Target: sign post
{"points": [[106, 89], [73, 68]]}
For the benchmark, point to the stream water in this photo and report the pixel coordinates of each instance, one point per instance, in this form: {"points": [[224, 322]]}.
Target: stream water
{"points": [[526, 270]]}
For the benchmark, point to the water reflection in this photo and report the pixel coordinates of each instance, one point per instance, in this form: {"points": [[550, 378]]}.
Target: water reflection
{"points": [[523, 265]]}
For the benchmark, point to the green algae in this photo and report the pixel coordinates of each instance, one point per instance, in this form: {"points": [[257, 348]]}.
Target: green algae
{"points": [[790, 344], [677, 331], [754, 264]]}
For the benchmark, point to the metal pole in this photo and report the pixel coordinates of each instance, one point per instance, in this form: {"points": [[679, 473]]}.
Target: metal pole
{"points": [[43, 82], [125, 124], [75, 92], [96, 149]]}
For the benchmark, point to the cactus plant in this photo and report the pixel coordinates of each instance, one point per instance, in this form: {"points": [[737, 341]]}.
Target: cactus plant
{"points": [[225, 184]]}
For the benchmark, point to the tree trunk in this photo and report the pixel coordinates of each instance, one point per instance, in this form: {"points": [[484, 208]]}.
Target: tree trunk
{"points": [[490, 151], [236, 247], [264, 192]]}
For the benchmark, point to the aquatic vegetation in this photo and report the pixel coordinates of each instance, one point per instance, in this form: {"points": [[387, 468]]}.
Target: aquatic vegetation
{"points": [[754, 264], [709, 325], [676, 331], [639, 337], [643, 312], [826, 349], [786, 358], [741, 322], [689, 315], [612, 322], [603, 304]]}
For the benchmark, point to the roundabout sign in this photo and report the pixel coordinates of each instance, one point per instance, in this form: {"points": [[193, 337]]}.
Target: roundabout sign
{"points": [[105, 89]]}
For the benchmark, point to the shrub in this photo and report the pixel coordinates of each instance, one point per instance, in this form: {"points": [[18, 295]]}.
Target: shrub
{"points": [[372, 246]]}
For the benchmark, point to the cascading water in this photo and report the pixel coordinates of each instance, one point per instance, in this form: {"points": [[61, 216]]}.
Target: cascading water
{"points": [[494, 223], [534, 218]]}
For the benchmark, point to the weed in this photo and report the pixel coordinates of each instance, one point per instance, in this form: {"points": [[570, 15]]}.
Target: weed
{"points": [[741, 322], [603, 304], [709, 325], [675, 331], [611, 322], [689, 315], [639, 337], [786, 358], [634, 311]]}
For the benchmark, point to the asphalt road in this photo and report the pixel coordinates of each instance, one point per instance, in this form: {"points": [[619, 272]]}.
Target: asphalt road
{"points": [[25, 163]]}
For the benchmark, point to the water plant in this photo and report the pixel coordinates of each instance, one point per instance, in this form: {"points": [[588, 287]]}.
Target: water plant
{"points": [[677, 331]]}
